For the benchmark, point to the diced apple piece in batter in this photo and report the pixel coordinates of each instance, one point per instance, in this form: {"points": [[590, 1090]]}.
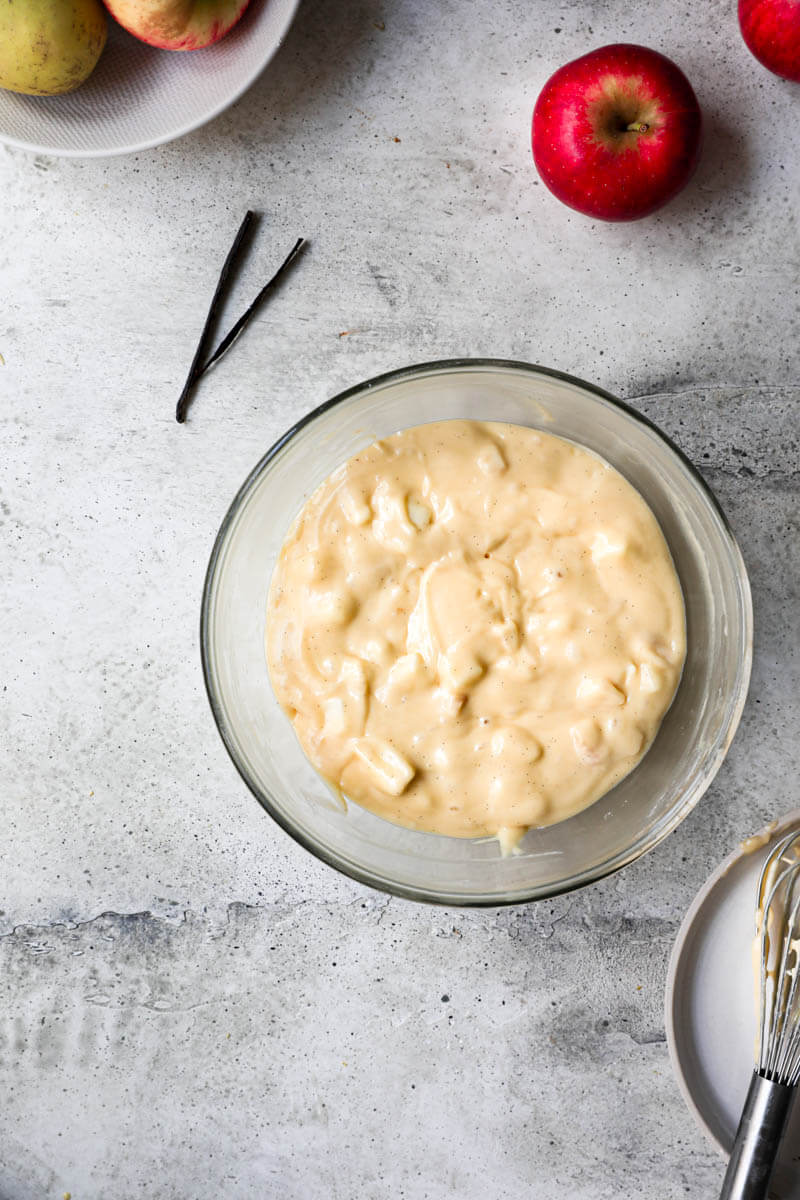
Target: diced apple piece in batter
{"points": [[448, 704], [352, 674], [332, 606], [335, 722], [587, 742], [442, 754], [515, 745], [354, 506], [419, 514], [606, 543], [407, 673], [389, 770], [390, 525], [354, 679], [491, 460], [459, 668], [651, 678], [599, 691], [625, 740], [553, 511], [652, 650], [509, 838], [508, 636], [522, 808], [375, 650]]}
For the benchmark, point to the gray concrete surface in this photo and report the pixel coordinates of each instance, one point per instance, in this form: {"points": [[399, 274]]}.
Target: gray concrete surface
{"points": [[190, 1006]]}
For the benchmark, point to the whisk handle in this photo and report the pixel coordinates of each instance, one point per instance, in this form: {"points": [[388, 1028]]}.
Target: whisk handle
{"points": [[764, 1117]]}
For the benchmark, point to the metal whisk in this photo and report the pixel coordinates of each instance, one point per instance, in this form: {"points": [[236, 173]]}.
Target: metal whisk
{"points": [[777, 1071]]}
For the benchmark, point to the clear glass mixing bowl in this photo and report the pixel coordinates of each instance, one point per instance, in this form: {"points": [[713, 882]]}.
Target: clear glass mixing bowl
{"points": [[639, 811]]}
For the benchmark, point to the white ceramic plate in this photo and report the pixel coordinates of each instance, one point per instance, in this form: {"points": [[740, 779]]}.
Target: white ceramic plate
{"points": [[710, 1006], [139, 96]]}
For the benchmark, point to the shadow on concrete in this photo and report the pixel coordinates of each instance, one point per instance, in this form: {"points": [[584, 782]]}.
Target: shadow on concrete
{"points": [[330, 41], [723, 176]]}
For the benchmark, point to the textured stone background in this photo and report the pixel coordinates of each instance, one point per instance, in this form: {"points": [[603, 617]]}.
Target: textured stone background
{"points": [[190, 1006]]}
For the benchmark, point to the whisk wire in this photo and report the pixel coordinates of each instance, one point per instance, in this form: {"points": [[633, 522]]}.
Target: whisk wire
{"points": [[778, 927], [787, 1065]]}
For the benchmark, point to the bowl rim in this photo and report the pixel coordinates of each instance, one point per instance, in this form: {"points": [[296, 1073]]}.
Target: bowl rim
{"points": [[163, 140], [584, 878]]}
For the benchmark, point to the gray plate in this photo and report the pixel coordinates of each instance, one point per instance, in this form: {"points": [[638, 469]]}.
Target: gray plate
{"points": [[710, 1004]]}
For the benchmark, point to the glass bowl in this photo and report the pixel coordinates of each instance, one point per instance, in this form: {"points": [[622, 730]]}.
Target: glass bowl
{"points": [[631, 818]]}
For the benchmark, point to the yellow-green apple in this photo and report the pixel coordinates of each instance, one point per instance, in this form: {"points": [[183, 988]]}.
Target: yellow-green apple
{"points": [[771, 29], [48, 47], [177, 24], [616, 133]]}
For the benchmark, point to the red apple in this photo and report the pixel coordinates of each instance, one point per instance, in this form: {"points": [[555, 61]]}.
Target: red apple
{"points": [[177, 24], [616, 133], [771, 29]]}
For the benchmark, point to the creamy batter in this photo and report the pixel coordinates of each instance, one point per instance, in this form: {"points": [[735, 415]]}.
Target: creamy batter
{"points": [[475, 628]]}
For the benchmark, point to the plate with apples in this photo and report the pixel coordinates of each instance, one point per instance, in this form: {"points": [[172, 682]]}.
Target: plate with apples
{"points": [[92, 78]]}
